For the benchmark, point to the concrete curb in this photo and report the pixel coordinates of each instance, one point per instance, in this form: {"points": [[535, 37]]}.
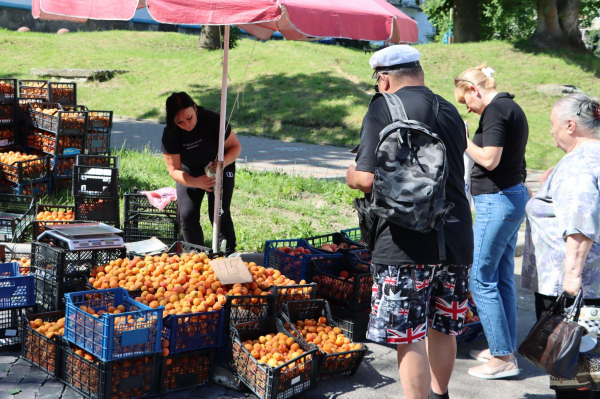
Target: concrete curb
{"points": [[131, 118]]}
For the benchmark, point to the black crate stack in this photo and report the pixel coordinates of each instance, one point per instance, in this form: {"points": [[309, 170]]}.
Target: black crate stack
{"points": [[8, 112], [96, 189], [143, 221]]}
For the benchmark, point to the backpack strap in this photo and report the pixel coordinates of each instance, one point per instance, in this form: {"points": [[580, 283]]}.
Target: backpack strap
{"points": [[396, 107]]}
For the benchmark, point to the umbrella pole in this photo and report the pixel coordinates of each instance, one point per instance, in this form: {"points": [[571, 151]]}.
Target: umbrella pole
{"points": [[219, 182]]}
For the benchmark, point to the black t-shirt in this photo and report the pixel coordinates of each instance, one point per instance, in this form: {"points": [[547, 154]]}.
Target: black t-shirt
{"points": [[198, 147], [396, 245], [502, 124]]}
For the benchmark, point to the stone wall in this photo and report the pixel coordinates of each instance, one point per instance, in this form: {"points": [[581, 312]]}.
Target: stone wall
{"points": [[14, 18]]}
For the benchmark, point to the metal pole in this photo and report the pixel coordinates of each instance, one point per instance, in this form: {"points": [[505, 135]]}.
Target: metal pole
{"points": [[219, 182]]}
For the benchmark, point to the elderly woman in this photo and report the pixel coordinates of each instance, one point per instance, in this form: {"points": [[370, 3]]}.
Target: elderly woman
{"points": [[562, 252]]}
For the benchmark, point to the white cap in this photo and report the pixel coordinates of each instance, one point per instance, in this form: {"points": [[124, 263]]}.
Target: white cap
{"points": [[395, 56]]}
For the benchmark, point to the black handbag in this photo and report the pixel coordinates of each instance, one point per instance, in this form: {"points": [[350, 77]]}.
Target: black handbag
{"points": [[553, 342]]}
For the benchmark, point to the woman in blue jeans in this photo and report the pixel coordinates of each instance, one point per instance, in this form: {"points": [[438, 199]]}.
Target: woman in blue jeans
{"points": [[500, 196]]}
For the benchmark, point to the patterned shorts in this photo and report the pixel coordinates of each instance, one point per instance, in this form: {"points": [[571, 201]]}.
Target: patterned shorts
{"points": [[409, 299]]}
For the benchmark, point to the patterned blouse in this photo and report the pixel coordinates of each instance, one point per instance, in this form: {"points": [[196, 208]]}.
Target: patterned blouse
{"points": [[568, 203]]}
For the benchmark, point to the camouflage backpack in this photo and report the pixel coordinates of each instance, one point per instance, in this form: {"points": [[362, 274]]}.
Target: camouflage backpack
{"points": [[410, 177]]}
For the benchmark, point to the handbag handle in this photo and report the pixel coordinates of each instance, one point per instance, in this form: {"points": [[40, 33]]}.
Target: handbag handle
{"points": [[559, 305]]}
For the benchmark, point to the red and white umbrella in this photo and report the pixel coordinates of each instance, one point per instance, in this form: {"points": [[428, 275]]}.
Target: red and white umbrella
{"points": [[370, 20]]}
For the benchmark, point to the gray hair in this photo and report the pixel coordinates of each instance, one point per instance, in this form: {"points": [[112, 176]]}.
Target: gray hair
{"points": [[399, 74], [583, 109]]}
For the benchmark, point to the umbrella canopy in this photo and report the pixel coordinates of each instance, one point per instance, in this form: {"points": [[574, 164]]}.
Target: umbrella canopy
{"points": [[373, 20]]}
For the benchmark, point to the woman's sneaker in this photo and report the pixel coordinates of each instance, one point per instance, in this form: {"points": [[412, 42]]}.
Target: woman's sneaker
{"points": [[504, 370]]}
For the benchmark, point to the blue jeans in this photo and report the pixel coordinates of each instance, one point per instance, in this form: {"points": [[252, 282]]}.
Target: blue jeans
{"points": [[498, 217]]}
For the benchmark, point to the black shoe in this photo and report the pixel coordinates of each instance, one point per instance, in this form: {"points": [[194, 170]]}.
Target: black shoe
{"points": [[433, 395]]}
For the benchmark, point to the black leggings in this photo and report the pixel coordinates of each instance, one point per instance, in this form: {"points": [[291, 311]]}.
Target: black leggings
{"points": [[189, 201], [544, 302]]}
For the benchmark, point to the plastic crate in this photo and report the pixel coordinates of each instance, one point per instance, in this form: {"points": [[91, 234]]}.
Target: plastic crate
{"points": [[141, 227], [330, 364], [62, 166], [353, 234], [135, 377], [56, 144], [32, 170], [110, 336], [62, 93], [353, 291], [138, 203], [187, 370], [8, 113], [293, 267], [58, 121], [33, 188], [50, 292], [19, 253], [8, 90], [51, 261], [16, 290], [334, 238], [61, 184], [95, 181], [194, 331], [34, 89], [353, 323], [10, 328], [102, 161], [98, 209], [8, 136], [265, 381], [39, 226], [16, 215], [287, 293], [471, 332], [39, 350]]}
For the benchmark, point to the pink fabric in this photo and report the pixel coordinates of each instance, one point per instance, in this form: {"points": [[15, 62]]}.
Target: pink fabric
{"points": [[160, 198], [374, 20]]}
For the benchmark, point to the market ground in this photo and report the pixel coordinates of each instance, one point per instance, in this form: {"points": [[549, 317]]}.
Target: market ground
{"points": [[377, 377]]}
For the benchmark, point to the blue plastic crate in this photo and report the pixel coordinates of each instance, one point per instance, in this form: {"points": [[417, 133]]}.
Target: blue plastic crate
{"points": [[192, 331], [34, 188], [293, 267], [361, 259], [16, 290], [471, 332], [112, 336]]}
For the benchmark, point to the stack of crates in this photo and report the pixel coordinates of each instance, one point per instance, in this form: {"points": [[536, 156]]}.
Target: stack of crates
{"points": [[16, 296], [8, 112], [143, 221], [17, 212], [96, 189]]}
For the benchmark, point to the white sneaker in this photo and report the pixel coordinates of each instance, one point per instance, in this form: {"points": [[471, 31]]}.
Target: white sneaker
{"points": [[505, 370]]}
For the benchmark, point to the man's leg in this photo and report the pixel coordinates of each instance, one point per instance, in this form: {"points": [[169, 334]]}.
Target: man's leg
{"points": [[413, 366], [441, 349]]}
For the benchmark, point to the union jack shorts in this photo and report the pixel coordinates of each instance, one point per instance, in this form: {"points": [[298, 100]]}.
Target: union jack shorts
{"points": [[407, 300]]}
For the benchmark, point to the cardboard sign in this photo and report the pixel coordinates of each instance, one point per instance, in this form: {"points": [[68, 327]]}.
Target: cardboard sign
{"points": [[231, 270]]}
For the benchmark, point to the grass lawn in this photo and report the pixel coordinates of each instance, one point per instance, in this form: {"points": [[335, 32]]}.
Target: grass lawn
{"points": [[265, 205], [294, 90]]}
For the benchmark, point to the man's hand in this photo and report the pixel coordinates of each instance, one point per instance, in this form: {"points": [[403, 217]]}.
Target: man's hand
{"points": [[350, 177]]}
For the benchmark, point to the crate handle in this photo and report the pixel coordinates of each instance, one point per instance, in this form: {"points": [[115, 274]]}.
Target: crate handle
{"points": [[135, 337], [133, 382], [6, 284]]}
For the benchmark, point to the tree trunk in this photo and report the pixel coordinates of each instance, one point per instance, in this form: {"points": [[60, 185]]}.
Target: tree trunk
{"points": [[558, 25], [210, 38], [466, 21]]}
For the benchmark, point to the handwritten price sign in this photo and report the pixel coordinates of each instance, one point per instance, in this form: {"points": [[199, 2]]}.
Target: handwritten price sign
{"points": [[231, 270]]}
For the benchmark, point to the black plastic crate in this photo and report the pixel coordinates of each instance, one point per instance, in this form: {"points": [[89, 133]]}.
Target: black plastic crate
{"points": [[339, 280], [104, 161], [94, 181], [50, 292], [62, 93], [26, 171], [8, 90], [40, 350], [138, 203], [10, 328], [8, 135], [291, 378], [55, 144], [23, 113], [8, 114], [62, 166], [134, 377], [62, 183], [34, 89], [56, 120], [32, 188], [16, 214], [331, 365], [105, 210], [51, 261], [353, 323], [186, 370], [143, 227], [344, 245], [287, 293], [41, 222]]}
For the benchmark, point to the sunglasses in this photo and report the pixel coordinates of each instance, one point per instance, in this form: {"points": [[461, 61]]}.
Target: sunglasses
{"points": [[458, 80]]}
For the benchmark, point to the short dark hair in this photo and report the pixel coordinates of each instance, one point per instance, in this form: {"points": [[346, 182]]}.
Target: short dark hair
{"points": [[175, 103], [399, 74]]}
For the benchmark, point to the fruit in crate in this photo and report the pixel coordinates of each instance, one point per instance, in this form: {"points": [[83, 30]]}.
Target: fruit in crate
{"points": [[63, 91], [7, 133], [274, 350], [298, 251], [41, 351], [327, 338], [12, 157], [49, 328], [35, 88], [47, 111], [24, 265], [100, 117], [189, 366], [6, 87], [60, 215]]}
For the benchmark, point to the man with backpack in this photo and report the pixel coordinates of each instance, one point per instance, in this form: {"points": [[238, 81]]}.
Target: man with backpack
{"points": [[416, 219]]}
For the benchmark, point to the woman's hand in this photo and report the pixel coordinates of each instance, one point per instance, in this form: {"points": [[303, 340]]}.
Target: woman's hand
{"points": [[571, 285], [205, 183]]}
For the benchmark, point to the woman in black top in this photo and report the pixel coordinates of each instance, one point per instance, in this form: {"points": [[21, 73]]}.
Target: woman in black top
{"points": [[500, 196], [190, 143]]}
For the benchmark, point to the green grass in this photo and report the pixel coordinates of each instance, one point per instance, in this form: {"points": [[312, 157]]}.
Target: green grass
{"points": [[265, 205], [294, 90]]}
